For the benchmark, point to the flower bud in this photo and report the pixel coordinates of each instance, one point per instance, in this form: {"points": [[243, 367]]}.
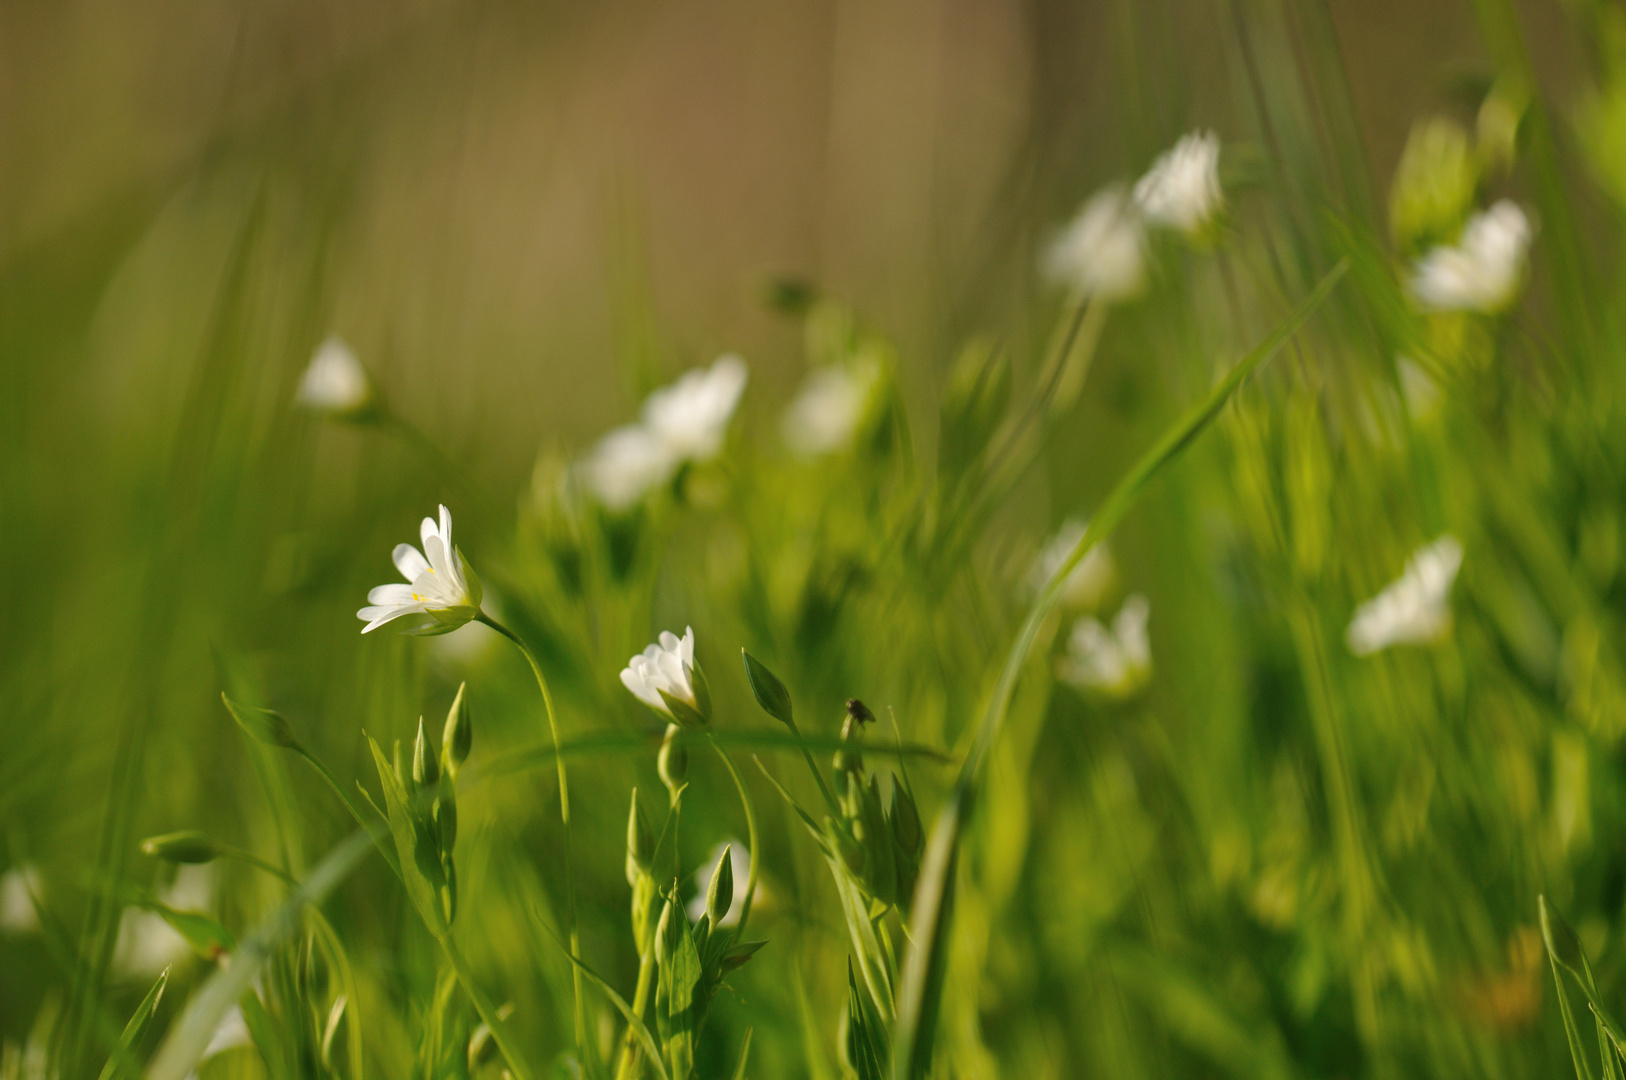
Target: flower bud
{"points": [[666, 931], [458, 737], [262, 725], [425, 765], [187, 846], [769, 691], [905, 817], [720, 893], [673, 761], [640, 838]]}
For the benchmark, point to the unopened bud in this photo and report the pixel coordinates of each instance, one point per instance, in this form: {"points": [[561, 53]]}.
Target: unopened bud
{"points": [[187, 846], [905, 819], [425, 765], [720, 893], [262, 725], [666, 930], [458, 738], [673, 761], [640, 839]]}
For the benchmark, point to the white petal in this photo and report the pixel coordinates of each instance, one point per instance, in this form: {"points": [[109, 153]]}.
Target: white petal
{"points": [[410, 561], [388, 614], [393, 594], [687, 652]]}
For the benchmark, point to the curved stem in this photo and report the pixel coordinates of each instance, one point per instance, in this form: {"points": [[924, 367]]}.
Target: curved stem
{"points": [[256, 861], [751, 834], [483, 1006], [564, 817]]}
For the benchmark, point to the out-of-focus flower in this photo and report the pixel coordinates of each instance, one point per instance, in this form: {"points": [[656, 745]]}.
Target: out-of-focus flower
{"points": [[231, 1033], [444, 588], [691, 416], [1115, 662], [147, 944], [1087, 585], [335, 383], [739, 862], [625, 465], [18, 888], [1182, 190], [1482, 271], [829, 408], [1102, 252], [1416, 608], [666, 678]]}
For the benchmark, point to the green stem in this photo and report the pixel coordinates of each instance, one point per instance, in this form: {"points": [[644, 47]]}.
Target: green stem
{"points": [[379, 835], [626, 1069], [256, 861], [483, 1006], [751, 834], [564, 817]]}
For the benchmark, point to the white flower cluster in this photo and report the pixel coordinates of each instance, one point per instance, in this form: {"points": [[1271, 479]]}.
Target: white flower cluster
{"points": [[684, 422], [1102, 252], [1482, 271], [1416, 608]]}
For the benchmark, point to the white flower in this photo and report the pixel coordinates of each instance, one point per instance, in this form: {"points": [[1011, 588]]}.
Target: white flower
{"points": [[666, 678], [1415, 609], [147, 944], [1102, 252], [827, 412], [444, 588], [691, 416], [1114, 662], [739, 861], [1482, 271], [1087, 585], [18, 890], [335, 382], [1182, 190], [626, 464]]}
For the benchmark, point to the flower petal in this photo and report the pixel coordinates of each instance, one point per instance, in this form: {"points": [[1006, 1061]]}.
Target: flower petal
{"points": [[410, 561]]}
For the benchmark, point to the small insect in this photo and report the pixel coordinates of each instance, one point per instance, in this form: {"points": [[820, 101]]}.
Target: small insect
{"points": [[858, 711]]}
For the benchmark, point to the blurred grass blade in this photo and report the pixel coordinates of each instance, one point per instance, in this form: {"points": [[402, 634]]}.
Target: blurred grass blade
{"points": [[865, 1055], [640, 1030], [745, 1054], [921, 990], [190, 1035], [122, 1063]]}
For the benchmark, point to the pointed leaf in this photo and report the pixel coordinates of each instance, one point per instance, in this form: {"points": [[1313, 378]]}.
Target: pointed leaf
{"points": [[769, 690], [123, 1063]]}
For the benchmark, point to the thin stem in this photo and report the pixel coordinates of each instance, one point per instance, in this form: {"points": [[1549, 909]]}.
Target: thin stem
{"points": [[627, 1068], [564, 817], [751, 834], [378, 834], [256, 861]]}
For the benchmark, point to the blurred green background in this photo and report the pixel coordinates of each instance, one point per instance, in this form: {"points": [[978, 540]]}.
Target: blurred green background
{"points": [[1280, 861]]}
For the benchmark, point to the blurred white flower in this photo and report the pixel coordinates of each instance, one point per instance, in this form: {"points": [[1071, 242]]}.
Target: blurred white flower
{"points": [[1102, 252], [829, 408], [335, 383], [444, 587], [1416, 608], [1482, 271], [665, 677], [1115, 662], [739, 861], [18, 888], [1087, 585], [147, 944], [626, 464], [691, 416], [1182, 190], [231, 1033]]}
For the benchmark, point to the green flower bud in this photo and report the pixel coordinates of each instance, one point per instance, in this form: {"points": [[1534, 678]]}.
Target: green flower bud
{"points": [[187, 846], [458, 737], [262, 725], [720, 893], [425, 764], [905, 819], [444, 814], [666, 931], [640, 838], [770, 692], [673, 761]]}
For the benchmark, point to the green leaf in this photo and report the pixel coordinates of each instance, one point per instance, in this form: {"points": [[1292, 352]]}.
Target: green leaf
{"points": [[403, 827], [123, 1064], [769, 691], [745, 1055], [208, 938], [640, 1031], [865, 1055]]}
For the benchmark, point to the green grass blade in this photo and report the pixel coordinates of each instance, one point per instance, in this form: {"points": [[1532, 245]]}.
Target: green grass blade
{"points": [[123, 1063], [640, 1030]]}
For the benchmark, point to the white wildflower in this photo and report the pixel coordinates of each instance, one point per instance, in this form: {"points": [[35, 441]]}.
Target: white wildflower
{"points": [[1482, 271], [1102, 252], [829, 408], [691, 416], [1087, 585], [147, 943], [1182, 190], [1115, 662], [739, 861], [1415, 609], [444, 589], [666, 677], [19, 888], [625, 465], [335, 383]]}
